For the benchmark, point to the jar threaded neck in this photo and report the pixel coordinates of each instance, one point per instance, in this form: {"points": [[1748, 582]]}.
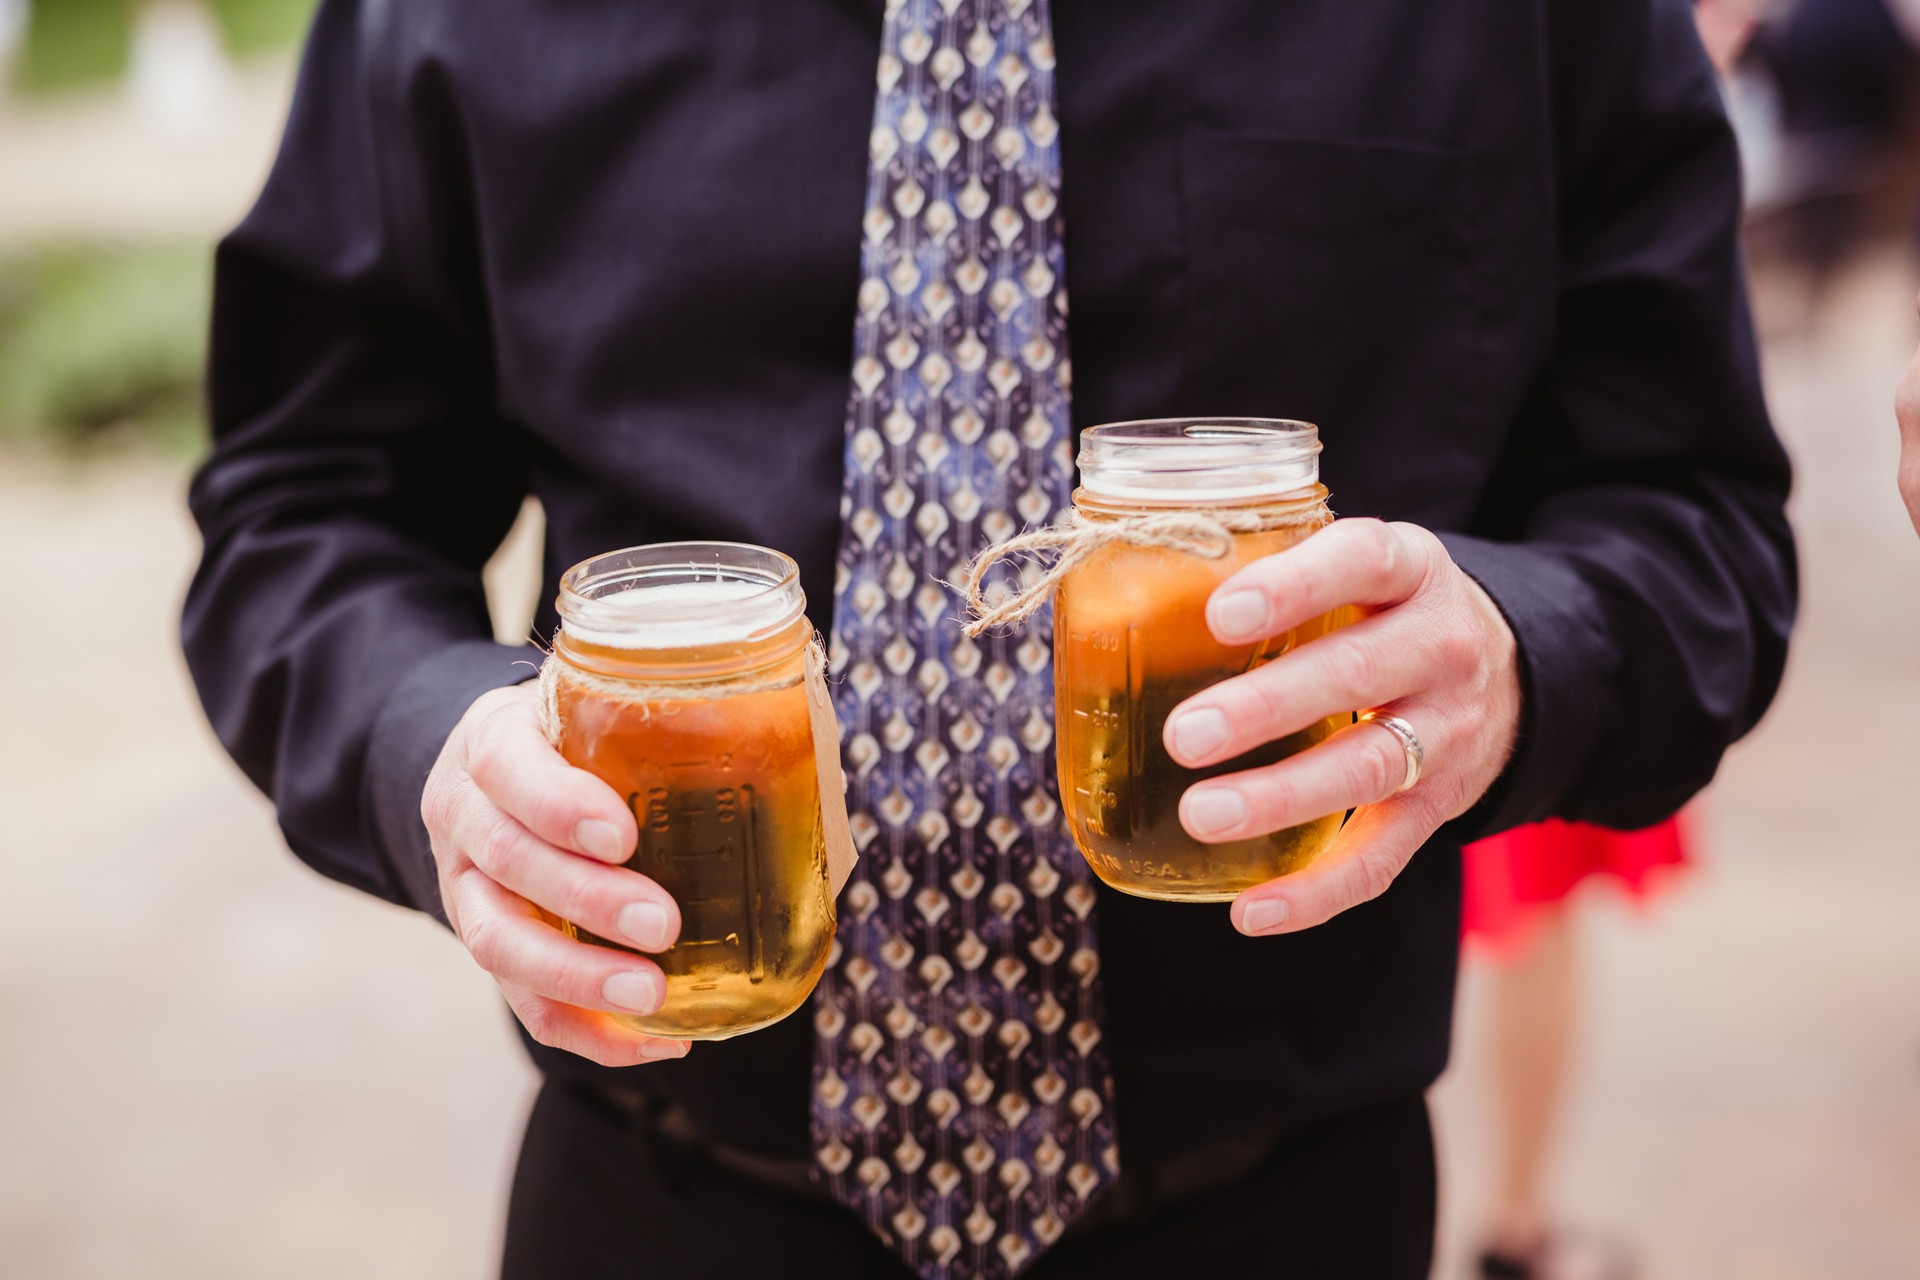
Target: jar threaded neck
{"points": [[1200, 460]]}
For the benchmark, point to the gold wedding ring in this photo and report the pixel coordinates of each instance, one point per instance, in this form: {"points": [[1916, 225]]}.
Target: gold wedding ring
{"points": [[1409, 742]]}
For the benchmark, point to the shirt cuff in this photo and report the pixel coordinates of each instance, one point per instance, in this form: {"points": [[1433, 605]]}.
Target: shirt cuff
{"points": [[407, 738], [1567, 667]]}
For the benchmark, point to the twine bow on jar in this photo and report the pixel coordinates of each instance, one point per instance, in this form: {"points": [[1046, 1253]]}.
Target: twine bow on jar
{"points": [[1206, 534]]}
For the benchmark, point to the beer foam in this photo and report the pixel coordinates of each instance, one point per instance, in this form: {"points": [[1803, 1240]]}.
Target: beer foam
{"points": [[678, 615]]}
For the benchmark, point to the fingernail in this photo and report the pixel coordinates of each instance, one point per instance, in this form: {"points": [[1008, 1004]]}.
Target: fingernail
{"points": [[1199, 733], [1239, 615], [657, 1050], [644, 925], [1215, 809], [635, 990], [1263, 914], [600, 839]]}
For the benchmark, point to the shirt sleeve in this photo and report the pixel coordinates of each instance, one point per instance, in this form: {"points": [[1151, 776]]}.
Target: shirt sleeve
{"points": [[359, 476], [1634, 534]]}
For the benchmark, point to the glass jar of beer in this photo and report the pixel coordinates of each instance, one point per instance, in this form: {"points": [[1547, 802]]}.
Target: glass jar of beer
{"points": [[1131, 643], [684, 685]]}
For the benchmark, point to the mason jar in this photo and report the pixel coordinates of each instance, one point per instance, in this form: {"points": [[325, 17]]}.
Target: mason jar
{"points": [[1131, 643], [683, 685]]}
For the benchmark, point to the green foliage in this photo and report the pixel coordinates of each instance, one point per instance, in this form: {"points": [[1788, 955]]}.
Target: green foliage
{"points": [[104, 342], [72, 42], [251, 25], [80, 42]]}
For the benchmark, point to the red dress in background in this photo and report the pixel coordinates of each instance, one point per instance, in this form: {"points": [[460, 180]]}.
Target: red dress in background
{"points": [[1508, 877]]}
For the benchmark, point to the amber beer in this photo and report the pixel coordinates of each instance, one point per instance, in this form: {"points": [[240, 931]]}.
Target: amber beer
{"points": [[685, 689], [1131, 643]]}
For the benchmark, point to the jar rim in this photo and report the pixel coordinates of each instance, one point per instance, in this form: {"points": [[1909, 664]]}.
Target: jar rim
{"points": [[1210, 459], [601, 599]]}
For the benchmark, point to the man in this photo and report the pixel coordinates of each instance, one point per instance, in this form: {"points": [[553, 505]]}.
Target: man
{"points": [[612, 254]]}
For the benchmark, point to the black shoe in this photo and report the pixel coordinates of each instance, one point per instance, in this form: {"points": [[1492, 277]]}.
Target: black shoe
{"points": [[1561, 1257]]}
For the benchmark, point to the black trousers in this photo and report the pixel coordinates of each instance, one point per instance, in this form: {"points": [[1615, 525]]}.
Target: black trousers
{"points": [[597, 1195]]}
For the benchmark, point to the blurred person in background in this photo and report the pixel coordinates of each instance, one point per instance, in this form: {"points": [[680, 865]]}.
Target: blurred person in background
{"points": [[610, 255], [1521, 891], [1845, 72], [1906, 411], [1839, 81]]}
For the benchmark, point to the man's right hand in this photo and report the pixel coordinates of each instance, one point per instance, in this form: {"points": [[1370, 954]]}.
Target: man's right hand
{"points": [[521, 838]]}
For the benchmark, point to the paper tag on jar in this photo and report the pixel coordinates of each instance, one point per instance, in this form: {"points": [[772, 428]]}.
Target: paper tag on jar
{"points": [[841, 854]]}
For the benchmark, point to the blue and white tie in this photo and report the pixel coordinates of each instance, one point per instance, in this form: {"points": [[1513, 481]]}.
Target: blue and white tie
{"points": [[962, 1101]]}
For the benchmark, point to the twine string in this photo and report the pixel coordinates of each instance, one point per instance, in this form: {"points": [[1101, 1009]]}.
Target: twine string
{"points": [[1206, 534]]}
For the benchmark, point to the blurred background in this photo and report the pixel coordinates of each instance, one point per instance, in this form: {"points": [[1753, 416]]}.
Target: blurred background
{"points": [[213, 1063]]}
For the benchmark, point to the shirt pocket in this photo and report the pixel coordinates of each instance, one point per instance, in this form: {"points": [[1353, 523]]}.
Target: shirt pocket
{"points": [[1332, 280]]}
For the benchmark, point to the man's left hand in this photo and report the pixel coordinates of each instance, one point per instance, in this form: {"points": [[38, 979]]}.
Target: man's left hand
{"points": [[1431, 649]]}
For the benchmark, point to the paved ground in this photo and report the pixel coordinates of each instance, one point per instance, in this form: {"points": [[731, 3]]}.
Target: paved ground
{"points": [[215, 1064]]}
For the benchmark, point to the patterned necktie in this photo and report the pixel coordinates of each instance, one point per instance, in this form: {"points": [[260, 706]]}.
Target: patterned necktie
{"points": [[962, 1101]]}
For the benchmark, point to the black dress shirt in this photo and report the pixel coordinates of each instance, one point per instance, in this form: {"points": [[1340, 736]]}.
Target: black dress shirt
{"points": [[607, 253]]}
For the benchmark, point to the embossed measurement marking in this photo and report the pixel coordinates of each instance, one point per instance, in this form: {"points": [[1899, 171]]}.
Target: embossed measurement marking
{"points": [[1099, 717], [1108, 641], [698, 842]]}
